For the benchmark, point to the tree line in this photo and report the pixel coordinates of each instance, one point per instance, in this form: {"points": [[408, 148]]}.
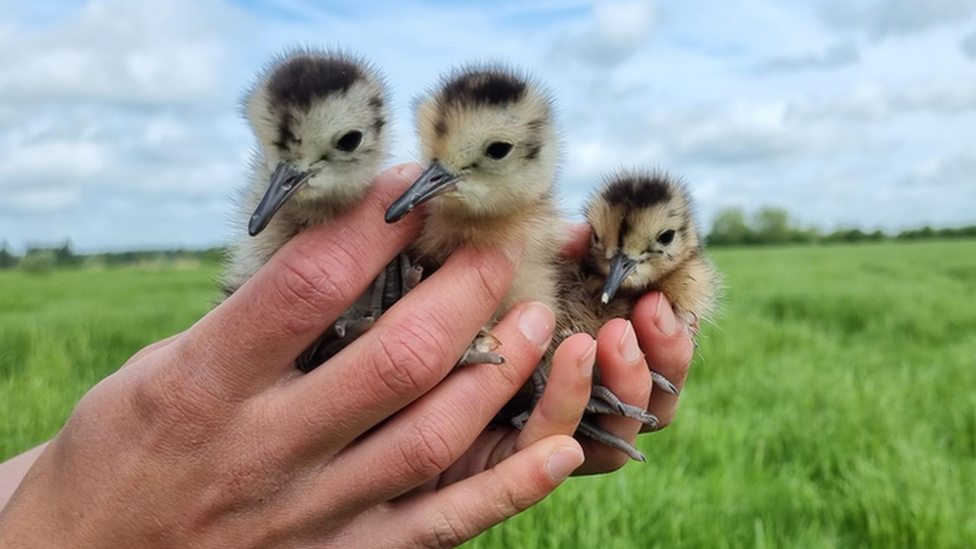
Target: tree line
{"points": [[731, 227], [37, 259], [772, 226]]}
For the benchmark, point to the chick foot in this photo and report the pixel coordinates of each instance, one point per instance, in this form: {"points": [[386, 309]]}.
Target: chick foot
{"points": [[481, 350], [591, 431], [392, 283], [603, 401]]}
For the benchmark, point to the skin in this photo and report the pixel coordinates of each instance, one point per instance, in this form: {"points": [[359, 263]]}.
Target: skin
{"points": [[210, 438]]}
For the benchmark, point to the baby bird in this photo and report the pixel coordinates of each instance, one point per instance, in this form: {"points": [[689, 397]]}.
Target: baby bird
{"points": [[644, 238], [320, 121], [489, 142]]}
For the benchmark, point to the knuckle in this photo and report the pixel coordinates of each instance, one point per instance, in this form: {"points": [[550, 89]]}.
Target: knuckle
{"points": [[164, 402], [306, 288], [445, 531], [513, 498], [406, 361], [426, 448]]}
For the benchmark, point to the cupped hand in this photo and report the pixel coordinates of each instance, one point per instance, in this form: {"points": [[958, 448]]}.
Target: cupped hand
{"points": [[654, 338], [211, 438]]}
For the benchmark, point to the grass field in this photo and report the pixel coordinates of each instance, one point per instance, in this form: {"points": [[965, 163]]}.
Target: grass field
{"points": [[835, 406]]}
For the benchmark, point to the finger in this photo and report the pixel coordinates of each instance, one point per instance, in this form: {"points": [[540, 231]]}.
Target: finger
{"points": [[256, 334], [578, 244], [623, 371], [424, 439], [453, 515], [409, 350], [669, 348], [567, 393]]}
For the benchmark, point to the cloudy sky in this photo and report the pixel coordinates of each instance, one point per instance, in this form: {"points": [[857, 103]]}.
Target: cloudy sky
{"points": [[119, 125]]}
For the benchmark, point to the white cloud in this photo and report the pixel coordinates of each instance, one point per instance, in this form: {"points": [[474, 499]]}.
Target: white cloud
{"points": [[835, 57], [120, 128], [880, 19], [121, 52], [955, 171], [969, 45], [615, 31]]}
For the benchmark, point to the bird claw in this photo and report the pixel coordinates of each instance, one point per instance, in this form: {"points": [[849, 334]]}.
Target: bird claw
{"points": [[607, 438], [599, 406], [520, 420], [664, 384]]}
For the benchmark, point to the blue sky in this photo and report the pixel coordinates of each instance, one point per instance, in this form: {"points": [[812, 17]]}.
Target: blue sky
{"points": [[119, 125]]}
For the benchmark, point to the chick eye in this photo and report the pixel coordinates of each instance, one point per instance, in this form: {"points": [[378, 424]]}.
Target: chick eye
{"points": [[350, 141], [498, 150], [666, 237]]}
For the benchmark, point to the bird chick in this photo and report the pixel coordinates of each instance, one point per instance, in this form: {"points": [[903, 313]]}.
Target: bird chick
{"points": [[488, 139], [319, 119], [644, 238], [320, 122]]}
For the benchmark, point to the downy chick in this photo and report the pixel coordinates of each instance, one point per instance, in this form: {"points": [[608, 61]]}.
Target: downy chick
{"points": [[644, 238], [489, 142], [320, 121]]}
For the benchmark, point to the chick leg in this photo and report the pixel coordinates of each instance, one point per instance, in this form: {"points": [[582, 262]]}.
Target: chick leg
{"points": [[587, 429], [603, 401], [392, 283], [538, 384], [481, 350]]}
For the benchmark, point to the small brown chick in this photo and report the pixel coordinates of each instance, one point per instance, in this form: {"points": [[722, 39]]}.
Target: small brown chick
{"points": [[644, 238], [320, 119], [489, 142]]}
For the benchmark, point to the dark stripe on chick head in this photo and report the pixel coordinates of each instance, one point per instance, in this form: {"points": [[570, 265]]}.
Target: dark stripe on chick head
{"points": [[301, 80], [285, 134], [638, 192], [484, 87]]}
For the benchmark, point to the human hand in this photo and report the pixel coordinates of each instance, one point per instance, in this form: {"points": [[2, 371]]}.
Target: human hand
{"points": [[653, 338], [212, 438]]}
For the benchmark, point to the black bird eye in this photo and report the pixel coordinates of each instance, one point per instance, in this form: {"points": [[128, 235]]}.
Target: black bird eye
{"points": [[498, 150], [666, 237], [350, 141]]}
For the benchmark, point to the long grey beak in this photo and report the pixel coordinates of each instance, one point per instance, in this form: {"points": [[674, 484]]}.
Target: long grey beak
{"points": [[620, 268], [435, 180], [285, 180]]}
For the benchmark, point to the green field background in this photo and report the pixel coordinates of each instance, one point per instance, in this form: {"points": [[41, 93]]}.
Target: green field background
{"points": [[834, 405]]}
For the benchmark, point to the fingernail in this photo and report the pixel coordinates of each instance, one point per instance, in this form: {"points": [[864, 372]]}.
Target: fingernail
{"points": [[665, 316], [587, 360], [629, 348], [563, 462], [536, 323]]}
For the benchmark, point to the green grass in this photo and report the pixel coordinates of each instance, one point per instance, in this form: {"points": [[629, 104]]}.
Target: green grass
{"points": [[834, 406]]}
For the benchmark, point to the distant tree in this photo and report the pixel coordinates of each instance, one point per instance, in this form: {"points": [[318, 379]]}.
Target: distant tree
{"points": [[772, 226], [65, 256], [39, 261], [7, 259], [730, 228]]}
